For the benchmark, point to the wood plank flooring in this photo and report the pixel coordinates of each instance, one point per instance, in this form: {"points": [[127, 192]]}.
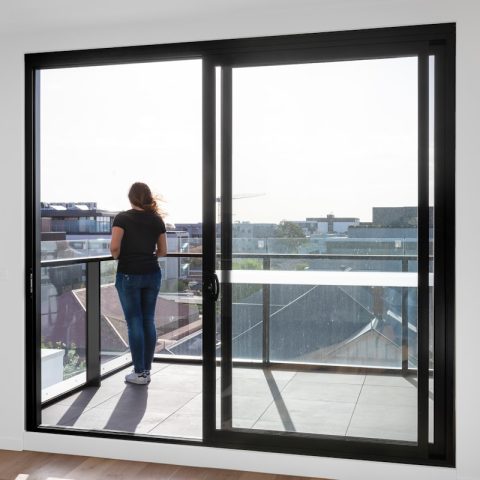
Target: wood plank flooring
{"points": [[42, 466]]}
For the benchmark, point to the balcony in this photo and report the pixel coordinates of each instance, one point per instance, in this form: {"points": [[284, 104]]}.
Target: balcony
{"points": [[352, 405], [329, 348]]}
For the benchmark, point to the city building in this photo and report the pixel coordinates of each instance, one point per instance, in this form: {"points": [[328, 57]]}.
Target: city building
{"points": [[331, 224], [76, 220]]}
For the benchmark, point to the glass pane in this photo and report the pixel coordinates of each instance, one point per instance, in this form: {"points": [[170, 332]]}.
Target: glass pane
{"points": [[114, 350], [103, 128], [325, 245], [124, 123], [178, 313], [63, 329]]}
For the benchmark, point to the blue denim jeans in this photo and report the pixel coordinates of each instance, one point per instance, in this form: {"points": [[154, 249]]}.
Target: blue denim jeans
{"points": [[138, 297]]}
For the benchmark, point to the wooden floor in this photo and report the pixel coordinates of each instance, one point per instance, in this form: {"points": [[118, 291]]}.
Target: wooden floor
{"points": [[43, 466]]}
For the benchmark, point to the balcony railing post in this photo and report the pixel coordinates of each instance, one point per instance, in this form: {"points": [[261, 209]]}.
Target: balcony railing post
{"points": [[404, 321], [266, 315], [93, 323]]}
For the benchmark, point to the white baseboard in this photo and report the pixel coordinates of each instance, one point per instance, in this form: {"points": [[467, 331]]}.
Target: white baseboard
{"points": [[244, 460], [11, 443]]}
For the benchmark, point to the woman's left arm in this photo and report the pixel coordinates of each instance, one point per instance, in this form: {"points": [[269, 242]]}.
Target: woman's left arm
{"points": [[116, 241]]}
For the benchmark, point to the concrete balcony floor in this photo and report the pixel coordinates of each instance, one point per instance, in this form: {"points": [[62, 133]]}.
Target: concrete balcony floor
{"points": [[353, 405]]}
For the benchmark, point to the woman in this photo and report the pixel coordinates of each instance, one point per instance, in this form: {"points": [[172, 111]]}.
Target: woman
{"points": [[138, 239]]}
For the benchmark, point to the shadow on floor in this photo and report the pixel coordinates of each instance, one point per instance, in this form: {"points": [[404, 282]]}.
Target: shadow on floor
{"points": [[77, 408], [279, 403], [129, 410]]}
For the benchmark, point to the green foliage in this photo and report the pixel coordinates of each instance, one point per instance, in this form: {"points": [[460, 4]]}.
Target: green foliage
{"points": [[289, 230], [72, 363], [247, 264], [242, 291]]}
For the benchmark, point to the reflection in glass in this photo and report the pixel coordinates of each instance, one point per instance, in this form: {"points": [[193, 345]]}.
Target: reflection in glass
{"points": [[63, 329], [114, 349], [178, 313]]}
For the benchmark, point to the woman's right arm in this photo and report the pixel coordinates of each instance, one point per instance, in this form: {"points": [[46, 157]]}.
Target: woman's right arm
{"points": [[162, 245], [116, 241]]}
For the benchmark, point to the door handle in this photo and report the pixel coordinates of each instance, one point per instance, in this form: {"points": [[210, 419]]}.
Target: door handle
{"points": [[213, 287], [216, 290]]}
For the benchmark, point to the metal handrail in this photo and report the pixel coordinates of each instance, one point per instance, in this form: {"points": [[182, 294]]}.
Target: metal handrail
{"points": [[61, 262], [58, 262], [94, 282], [329, 256]]}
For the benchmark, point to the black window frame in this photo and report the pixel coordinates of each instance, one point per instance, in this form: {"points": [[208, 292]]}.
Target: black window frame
{"points": [[421, 41]]}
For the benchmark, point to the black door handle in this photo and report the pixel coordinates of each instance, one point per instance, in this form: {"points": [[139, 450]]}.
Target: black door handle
{"points": [[213, 287], [216, 291]]}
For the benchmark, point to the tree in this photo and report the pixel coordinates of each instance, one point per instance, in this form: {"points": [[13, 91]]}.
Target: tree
{"points": [[292, 238], [289, 230]]}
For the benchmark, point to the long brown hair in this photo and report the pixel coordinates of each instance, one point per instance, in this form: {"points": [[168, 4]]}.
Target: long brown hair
{"points": [[141, 196]]}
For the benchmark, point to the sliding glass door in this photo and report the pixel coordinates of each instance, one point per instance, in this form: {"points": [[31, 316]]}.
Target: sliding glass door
{"points": [[310, 275], [100, 129], [325, 258]]}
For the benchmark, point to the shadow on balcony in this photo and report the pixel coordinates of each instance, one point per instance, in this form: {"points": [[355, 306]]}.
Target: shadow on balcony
{"points": [[352, 405]]}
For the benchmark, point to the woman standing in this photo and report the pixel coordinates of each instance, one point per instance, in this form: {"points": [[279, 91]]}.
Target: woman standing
{"points": [[138, 239]]}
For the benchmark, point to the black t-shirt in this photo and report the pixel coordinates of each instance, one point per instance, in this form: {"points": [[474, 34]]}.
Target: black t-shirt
{"points": [[141, 232]]}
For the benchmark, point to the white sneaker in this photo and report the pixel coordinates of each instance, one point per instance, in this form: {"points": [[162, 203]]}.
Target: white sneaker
{"points": [[137, 378], [147, 374]]}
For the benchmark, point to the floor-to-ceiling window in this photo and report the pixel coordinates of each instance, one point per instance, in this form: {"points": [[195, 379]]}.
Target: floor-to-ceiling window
{"points": [[307, 303], [100, 129]]}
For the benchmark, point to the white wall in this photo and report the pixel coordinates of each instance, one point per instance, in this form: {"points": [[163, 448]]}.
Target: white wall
{"points": [[262, 17]]}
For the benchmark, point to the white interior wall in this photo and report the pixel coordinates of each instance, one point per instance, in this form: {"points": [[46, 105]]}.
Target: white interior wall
{"points": [[262, 17]]}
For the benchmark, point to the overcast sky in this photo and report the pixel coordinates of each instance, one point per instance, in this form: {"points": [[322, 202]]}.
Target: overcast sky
{"points": [[308, 140]]}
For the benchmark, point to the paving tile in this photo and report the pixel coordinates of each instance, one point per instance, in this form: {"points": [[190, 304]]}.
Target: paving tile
{"points": [[62, 415], [262, 373], [243, 407], [323, 377], [132, 422], [309, 402], [179, 425], [193, 406], [254, 387], [382, 421], [249, 408], [176, 382], [302, 389], [182, 369], [116, 381], [390, 381], [242, 422], [142, 398], [389, 396], [91, 396], [327, 418], [157, 366]]}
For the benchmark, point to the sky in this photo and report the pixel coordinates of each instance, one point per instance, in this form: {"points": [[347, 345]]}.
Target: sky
{"points": [[308, 140]]}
